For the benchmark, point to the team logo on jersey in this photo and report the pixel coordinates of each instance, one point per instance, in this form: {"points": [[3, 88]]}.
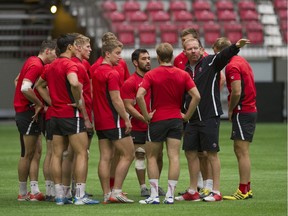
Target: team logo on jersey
{"points": [[232, 77]]}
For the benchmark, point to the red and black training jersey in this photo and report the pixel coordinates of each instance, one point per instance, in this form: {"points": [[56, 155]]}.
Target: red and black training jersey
{"points": [[31, 70], [168, 85], [239, 69], [129, 91], [105, 79]]}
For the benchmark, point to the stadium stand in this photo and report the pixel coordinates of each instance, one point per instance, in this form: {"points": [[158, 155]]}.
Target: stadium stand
{"points": [[147, 34], [154, 6]]}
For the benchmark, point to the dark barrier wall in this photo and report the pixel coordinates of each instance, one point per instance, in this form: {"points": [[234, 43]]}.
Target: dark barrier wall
{"points": [[270, 101]]}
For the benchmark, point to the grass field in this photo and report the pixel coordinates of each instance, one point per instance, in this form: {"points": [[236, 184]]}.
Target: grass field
{"points": [[269, 181]]}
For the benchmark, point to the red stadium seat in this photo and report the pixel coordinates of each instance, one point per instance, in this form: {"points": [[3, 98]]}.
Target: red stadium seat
{"points": [[204, 16], [211, 32], [147, 34], [169, 33], [249, 15], [247, 5], [125, 34], [154, 6], [199, 5], [188, 25], [280, 4], [116, 18], [233, 31], [224, 5], [177, 5], [282, 13], [254, 32], [108, 7], [160, 17], [130, 6], [182, 17], [137, 18], [226, 16]]}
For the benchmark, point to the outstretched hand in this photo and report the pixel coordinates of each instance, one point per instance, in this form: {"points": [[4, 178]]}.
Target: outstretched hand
{"points": [[242, 42]]}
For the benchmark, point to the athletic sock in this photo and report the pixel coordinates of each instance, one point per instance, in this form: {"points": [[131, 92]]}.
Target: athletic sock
{"points": [[112, 180], [200, 181], [22, 188], [52, 189], [67, 191], [243, 188], [171, 188], [143, 186], [154, 187], [249, 186], [34, 187], [59, 192], [80, 190], [209, 184], [48, 187]]}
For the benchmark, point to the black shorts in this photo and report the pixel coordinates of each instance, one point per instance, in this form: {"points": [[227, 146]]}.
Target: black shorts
{"points": [[202, 136], [67, 126], [113, 134], [161, 130], [243, 126], [25, 124], [139, 137], [48, 130]]}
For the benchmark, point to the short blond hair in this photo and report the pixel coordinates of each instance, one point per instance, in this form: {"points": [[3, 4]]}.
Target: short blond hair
{"points": [[220, 44], [108, 36], [110, 45], [165, 52]]}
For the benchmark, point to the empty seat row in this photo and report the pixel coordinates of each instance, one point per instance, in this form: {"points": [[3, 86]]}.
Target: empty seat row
{"points": [[169, 32]]}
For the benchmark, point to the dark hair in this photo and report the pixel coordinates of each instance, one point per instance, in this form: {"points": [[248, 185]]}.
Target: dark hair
{"points": [[135, 55], [48, 44], [64, 40], [191, 31]]}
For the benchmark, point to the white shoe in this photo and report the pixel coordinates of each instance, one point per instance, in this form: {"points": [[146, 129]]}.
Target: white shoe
{"points": [[168, 200], [150, 200], [85, 201]]}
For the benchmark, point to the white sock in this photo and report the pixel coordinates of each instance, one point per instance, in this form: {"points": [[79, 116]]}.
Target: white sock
{"points": [[22, 188], [209, 184], [171, 188], [59, 190], [200, 181], [48, 187], [34, 187], [154, 187], [191, 191], [52, 189], [67, 191], [143, 186], [80, 190]]}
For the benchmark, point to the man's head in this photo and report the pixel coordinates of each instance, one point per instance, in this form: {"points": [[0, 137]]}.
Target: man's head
{"points": [[83, 46], [48, 51], [220, 44], [112, 51], [164, 52], [188, 33], [193, 50], [66, 43], [141, 60], [108, 36]]}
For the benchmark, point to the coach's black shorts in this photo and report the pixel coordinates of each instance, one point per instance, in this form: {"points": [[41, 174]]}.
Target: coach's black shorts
{"points": [[25, 124], [243, 126], [112, 134], [139, 137], [202, 136], [161, 130], [67, 126]]}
